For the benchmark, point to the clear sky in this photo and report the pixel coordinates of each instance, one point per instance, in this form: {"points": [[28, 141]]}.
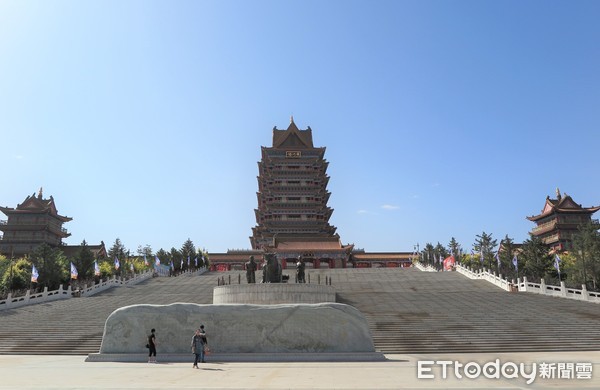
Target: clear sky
{"points": [[144, 119]]}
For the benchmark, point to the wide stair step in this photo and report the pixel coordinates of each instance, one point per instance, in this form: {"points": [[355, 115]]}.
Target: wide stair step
{"points": [[408, 312]]}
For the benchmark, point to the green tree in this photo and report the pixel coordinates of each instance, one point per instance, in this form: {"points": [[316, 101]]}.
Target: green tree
{"points": [[146, 250], [507, 251], [188, 251], [439, 254], [176, 259], [471, 261], [117, 250], [203, 260], [106, 268], [484, 246], [163, 256], [454, 248], [428, 254], [586, 249], [535, 261], [84, 262], [17, 276], [52, 266]]}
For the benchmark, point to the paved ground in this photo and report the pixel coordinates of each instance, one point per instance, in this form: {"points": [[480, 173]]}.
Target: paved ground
{"points": [[399, 372]]}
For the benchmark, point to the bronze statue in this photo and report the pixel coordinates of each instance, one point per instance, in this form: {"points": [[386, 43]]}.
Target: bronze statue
{"points": [[250, 268], [300, 270], [271, 269]]}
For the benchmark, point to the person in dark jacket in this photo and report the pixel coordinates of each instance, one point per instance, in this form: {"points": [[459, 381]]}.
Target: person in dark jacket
{"points": [[152, 347]]}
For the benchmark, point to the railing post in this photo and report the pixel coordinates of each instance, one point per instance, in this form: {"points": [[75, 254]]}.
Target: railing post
{"points": [[563, 289], [27, 296], [9, 300], [519, 285], [542, 286], [584, 293], [45, 293]]}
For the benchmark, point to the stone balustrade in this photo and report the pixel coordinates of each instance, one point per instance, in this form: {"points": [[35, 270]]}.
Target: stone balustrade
{"points": [[47, 296], [423, 267], [572, 293], [526, 286]]}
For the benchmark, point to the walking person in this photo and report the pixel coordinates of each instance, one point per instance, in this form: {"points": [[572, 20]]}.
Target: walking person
{"points": [[197, 347], [152, 347], [204, 343]]}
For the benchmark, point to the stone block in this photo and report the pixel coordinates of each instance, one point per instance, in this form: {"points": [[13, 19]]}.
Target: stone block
{"points": [[294, 328]]}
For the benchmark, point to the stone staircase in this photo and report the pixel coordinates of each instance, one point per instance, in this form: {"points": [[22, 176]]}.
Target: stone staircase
{"points": [[423, 312], [408, 312]]}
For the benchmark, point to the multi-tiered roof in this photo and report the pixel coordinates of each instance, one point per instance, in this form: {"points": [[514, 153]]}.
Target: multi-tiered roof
{"points": [[559, 221], [292, 190], [30, 224]]}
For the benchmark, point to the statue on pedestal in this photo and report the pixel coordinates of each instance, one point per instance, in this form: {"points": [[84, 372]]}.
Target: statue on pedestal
{"points": [[250, 269], [300, 277], [271, 269]]}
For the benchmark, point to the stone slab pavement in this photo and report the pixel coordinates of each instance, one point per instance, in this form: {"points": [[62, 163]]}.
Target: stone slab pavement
{"points": [[398, 372]]}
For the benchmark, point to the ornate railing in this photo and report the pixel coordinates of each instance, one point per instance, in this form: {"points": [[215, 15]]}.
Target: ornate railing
{"points": [[423, 267], [526, 286], [544, 226], [47, 296]]}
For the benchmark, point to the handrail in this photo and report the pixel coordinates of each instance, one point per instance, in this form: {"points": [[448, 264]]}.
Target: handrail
{"points": [[423, 267], [47, 296], [526, 286]]}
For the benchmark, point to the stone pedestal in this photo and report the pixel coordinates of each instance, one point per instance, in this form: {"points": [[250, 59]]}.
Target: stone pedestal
{"points": [[273, 293]]}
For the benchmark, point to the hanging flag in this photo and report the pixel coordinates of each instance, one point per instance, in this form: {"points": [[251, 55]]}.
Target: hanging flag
{"points": [[145, 261], [449, 263], [188, 262], [196, 261], [516, 262], [441, 260], [96, 268], [498, 258], [172, 266], [117, 264], [557, 263], [181, 266], [73, 271], [156, 260], [34, 274], [131, 267]]}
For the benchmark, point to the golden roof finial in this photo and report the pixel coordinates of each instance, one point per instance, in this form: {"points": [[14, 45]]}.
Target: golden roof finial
{"points": [[558, 193], [291, 119], [40, 193]]}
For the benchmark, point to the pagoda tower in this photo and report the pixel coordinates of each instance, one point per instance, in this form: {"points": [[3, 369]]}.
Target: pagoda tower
{"points": [[31, 224], [292, 190], [559, 221]]}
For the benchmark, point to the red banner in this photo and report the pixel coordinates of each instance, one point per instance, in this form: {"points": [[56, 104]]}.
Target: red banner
{"points": [[449, 263]]}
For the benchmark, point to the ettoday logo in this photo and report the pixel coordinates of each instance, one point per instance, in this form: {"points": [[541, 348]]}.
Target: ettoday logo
{"points": [[507, 370], [472, 370]]}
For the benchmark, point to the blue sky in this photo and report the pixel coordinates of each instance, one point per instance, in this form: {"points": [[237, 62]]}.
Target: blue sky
{"points": [[144, 119]]}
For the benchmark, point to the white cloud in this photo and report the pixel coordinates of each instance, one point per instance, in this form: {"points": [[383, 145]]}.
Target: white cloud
{"points": [[362, 211], [389, 207]]}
